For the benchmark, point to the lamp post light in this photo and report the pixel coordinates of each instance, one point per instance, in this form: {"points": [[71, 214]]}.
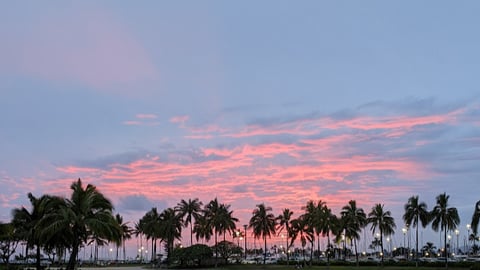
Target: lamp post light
{"points": [[404, 231]]}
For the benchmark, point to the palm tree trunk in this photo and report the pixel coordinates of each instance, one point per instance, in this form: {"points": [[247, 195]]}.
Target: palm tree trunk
{"points": [[356, 252], [288, 248], [37, 263], [265, 251], [416, 245], [191, 234], [124, 251], [216, 250], [446, 251], [328, 250], [318, 245], [73, 258]]}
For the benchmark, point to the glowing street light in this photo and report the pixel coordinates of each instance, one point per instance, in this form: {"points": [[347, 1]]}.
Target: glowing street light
{"points": [[404, 230]]}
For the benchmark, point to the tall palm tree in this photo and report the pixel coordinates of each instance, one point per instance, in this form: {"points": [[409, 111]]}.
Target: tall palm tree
{"points": [[475, 218], [28, 223], [263, 224], [87, 213], [170, 229], [444, 218], [354, 219], [227, 220], [218, 219], [416, 212], [125, 234], [302, 230], [327, 225], [202, 229], [150, 228], [381, 220], [188, 210], [283, 222], [315, 215]]}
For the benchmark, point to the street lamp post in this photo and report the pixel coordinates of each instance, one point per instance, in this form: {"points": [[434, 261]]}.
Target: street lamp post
{"points": [[404, 230]]}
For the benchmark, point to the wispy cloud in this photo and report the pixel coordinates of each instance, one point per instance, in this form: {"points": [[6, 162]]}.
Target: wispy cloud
{"points": [[100, 52]]}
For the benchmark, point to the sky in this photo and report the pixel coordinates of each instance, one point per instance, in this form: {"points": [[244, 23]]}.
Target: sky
{"points": [[250, 102]]}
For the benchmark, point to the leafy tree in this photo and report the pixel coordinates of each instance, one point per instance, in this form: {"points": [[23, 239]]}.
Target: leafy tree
{"points": [[444, 218], [263, 224], [416, 212], [8, 242], [227, 249], [354, 219], [188, 210], [382, 221], [194, 255], [284, 222]]}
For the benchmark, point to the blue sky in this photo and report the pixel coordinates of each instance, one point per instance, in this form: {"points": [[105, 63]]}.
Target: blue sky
{"points": [[270, 101]]}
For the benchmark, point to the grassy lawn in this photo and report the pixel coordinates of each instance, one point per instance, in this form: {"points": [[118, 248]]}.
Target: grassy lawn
{"points": [[291, 267]]}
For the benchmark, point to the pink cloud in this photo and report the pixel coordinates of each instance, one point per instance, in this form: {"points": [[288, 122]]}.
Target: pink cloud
{"points": [[179, 119], [86, 46], [146, 116]]}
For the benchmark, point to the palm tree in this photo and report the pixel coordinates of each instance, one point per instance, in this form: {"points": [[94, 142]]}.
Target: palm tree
{"points": [[87, 213], [429, 248], [444, 218], [354, 220], [227, 221], [326, 226], [170, 229], [187, 210], [263, 224], [475, 218], [28, 222], [150, 228], [218, 219], [416, 212], [125, 234], [302, 230], [381, 220], [202, 229], [315, 215], [284, 223]]}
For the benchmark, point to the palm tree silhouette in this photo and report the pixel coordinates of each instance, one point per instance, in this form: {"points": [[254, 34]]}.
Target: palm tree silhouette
{"points": [[188, 210], [444, 218], [381, 220], [416, 212], [354, 219], [283, 222], [263, 224]]}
